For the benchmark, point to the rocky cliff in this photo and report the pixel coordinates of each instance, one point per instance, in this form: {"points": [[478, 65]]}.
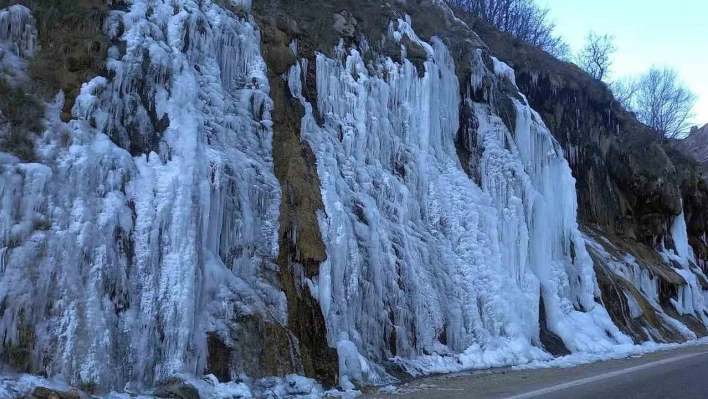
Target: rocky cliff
{"points": [[696, 144], [344, 190]]}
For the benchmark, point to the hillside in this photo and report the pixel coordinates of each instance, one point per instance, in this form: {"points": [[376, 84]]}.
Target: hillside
{"points": [[696, 144], [289, 196]]}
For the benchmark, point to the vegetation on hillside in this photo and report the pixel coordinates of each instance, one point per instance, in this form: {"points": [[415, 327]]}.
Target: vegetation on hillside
{"points": [[523, 19], [661, 101], [658, 97]]}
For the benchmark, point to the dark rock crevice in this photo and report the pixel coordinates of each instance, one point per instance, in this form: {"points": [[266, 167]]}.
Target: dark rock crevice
{"points": [[301, 246], [550, 340]]}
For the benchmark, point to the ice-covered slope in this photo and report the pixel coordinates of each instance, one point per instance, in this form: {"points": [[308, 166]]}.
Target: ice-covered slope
{"points": [[150, 223], [151, 217], [664, 299], [696, 144], [422, 262]]}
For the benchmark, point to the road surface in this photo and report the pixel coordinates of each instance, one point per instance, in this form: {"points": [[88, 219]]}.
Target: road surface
{"points": [[677, 374]]}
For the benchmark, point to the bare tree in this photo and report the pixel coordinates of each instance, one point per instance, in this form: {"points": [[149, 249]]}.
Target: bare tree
{"points": [[595, 57], [625, 90], [558, 48], [663, 102], [523, 19]]}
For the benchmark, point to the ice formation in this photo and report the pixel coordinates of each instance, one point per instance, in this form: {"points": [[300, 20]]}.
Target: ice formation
{"points": [[646, 282], [290, 386], [691, 298], [18, 41], [151, 218], [423, 264]]}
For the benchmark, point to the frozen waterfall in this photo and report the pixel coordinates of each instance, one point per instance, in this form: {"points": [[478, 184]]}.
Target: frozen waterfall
{"points": [[423, 264], [153, 215]]}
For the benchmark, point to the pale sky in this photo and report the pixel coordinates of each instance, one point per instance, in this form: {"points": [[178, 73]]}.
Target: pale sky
{"points": [[664, 33]]}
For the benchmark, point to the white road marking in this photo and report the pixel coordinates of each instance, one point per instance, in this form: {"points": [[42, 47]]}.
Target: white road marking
{"points": [[583, 381]]}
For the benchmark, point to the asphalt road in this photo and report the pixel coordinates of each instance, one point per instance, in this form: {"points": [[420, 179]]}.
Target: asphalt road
{"points": [[677, 374]]}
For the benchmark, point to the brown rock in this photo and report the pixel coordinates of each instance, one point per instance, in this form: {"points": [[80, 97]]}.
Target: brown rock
{"points": [[279, 58], [288, 25], [274, 36], [48, 393], [174, 388], [696, 144], [276, 52], [344, 24]]}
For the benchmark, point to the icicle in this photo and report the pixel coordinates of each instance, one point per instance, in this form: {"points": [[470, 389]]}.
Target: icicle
{"points": [[17, 30], [680, 238], [406, 230]]}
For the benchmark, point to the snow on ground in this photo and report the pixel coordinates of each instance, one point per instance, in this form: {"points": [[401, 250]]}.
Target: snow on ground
{"points": [[294, 386], [573, 360], [14, 385]]}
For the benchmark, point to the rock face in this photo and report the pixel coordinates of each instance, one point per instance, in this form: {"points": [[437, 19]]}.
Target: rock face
{"points": [[696, 144], [343, 190]]}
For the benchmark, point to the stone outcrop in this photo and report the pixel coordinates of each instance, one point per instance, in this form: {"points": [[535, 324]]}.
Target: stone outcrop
{"points": [[696, 144], [48, 393], [628, 181]]}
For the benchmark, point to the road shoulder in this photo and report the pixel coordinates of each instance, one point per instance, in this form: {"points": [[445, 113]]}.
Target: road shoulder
{"points": [[506, 383]]}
